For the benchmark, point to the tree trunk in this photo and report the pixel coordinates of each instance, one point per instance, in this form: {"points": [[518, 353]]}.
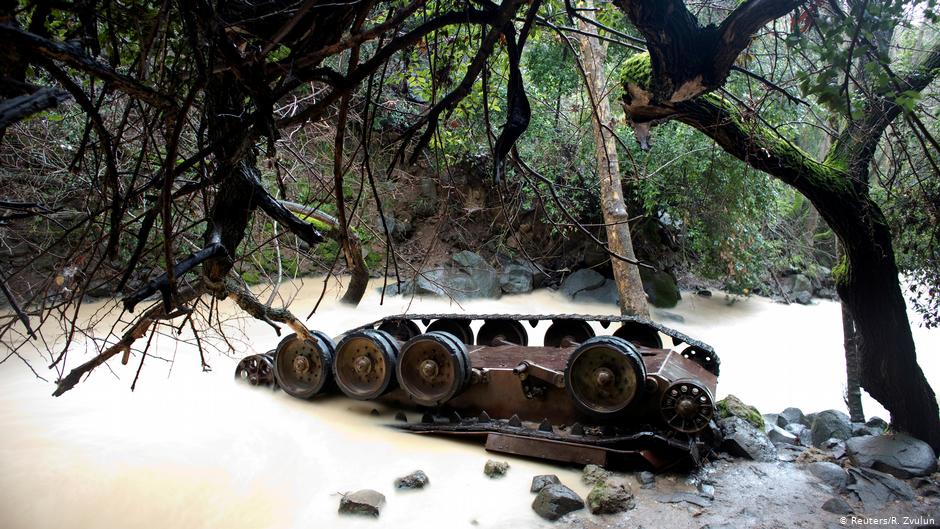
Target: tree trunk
{"points": [[867, 282], [626, 275], [853, 390]]}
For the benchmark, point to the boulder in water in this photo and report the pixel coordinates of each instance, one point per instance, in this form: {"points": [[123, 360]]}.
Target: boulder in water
{"points": [[540, 482], [661, 288], [495, 469], [584, 279], [364, 502], [416, 480], [555, 501]]}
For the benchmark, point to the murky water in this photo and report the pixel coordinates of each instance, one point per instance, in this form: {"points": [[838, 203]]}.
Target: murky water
{"points": [[195, 449]]}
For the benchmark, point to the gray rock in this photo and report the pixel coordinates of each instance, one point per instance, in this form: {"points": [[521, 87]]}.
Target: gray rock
{"points": [[592, 474], [706, 491], [495, 469], [778, 435], [771, 419], [835, 446], [794, 416], [831, 474], [609, 497], [538, 275], [416, 480], [861, 430], [555, 501], [515, 279], [877, 423], [837, 505], [875, 489], [647, 479], [743, 439], [365, 502], [486, 281], [540, 482], [802, 289], [606, 293], [899, 455], [406, 288], [688, 497], [829, 424], [789, 453], [803, 297], [584, 279], [468, 259], [661, 288], [459, 284], [804, 436], [665, 315]]}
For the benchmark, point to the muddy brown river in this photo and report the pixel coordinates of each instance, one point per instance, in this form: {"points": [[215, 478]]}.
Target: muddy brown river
{"points": [[189, 449]]}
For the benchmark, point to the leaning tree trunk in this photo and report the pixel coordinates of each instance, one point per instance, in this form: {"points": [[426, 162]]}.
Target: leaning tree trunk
{"points": [[626, 274], [867, 282]]}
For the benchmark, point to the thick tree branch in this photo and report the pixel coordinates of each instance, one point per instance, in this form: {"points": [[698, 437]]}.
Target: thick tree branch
{"points": [[21, 107], [76, 58]]}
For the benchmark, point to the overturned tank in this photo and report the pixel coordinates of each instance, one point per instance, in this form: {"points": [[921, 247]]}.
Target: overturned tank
{"points": [[622, 399]]}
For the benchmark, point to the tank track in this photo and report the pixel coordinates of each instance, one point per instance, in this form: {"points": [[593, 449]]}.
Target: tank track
{"points": [[503, 375], [697, 351], [608, 446]]}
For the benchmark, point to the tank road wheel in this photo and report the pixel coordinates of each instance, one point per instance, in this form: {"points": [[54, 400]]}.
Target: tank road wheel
{"points": [[639, 334], [686, 407], [401, 328], [458, 328], [303, 367], [604, 375], [564, 332], [433, 368], [257, 370], [493, 332], [364, 367]]}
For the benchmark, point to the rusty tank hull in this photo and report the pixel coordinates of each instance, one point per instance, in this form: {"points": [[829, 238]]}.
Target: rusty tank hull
{"points": [[619, 397]]}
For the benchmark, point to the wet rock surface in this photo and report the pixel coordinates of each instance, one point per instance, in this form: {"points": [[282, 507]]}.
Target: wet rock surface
{"points": [[610, 496], [416, 480], [584, 279], [900, 455], [830, 424], [495, 469], [515, 279], [732, 406], [540, 482], [364, 502], [742, 439], [837, 505], [555, 501], [793, 416], [875, 489], [831, 474], [592, 474]]}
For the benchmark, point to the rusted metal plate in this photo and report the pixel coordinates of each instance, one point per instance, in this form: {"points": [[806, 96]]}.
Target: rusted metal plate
{"points": [[502, 395], [546, 449], [675, 367]]}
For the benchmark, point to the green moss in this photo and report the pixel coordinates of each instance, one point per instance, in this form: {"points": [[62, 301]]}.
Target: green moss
{"points": [[637, 70], [841, 271], [732, 406]]}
